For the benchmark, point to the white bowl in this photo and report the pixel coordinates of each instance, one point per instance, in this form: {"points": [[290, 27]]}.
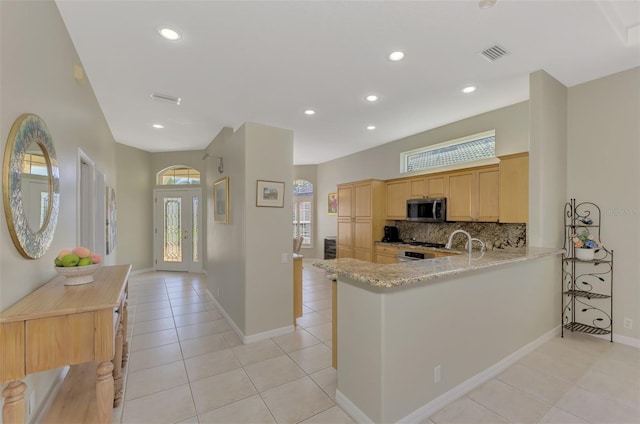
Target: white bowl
{"points": [[75, 275]]}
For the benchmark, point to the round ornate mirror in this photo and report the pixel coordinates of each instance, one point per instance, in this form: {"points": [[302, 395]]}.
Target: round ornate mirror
{"points": [[31, 186]]}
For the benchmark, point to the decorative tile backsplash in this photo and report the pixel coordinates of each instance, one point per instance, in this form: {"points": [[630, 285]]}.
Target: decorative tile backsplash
{"points": [[495, 236]]}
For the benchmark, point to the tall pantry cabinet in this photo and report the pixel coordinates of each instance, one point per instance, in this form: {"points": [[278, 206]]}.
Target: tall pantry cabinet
{"points": [[361, 218]]}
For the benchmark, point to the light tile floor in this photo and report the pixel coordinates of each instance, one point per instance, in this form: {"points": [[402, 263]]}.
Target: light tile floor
{"points": [[187, 365]]}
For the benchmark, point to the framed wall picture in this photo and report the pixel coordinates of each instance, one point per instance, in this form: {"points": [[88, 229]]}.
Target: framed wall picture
{"points": [[270, 194], [221, 201], [332, 204]]}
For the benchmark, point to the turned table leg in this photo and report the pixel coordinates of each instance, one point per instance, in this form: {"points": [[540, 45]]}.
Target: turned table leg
{"points": [[117, 369], [125, 343], [14, 410], [104, 392]]}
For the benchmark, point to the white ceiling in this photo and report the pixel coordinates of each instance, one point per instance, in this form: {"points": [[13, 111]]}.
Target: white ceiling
{"points": [[268, 61]]}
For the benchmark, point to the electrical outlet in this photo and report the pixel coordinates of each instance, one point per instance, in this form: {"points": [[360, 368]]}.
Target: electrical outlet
{"points": [[285, 258], [436, 374], [628, 323]]}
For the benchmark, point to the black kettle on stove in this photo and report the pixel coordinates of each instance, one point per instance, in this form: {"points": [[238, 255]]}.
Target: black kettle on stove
{"points": [[391, 235]]}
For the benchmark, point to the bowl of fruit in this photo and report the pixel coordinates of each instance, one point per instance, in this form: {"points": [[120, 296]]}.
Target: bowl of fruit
{"points": [[77, 265]]}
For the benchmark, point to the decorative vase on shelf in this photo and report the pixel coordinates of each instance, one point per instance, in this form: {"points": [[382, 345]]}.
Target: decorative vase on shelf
{"points": [[584, 254]]}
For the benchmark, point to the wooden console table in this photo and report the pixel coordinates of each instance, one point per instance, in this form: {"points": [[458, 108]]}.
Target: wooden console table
{"points": [[60, 325]]}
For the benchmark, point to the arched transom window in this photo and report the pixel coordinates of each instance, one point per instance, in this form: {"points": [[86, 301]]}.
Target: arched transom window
{"points": [[178, 175]]}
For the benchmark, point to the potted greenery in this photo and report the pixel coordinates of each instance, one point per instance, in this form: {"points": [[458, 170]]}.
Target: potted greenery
{"points": [[585, 245]]}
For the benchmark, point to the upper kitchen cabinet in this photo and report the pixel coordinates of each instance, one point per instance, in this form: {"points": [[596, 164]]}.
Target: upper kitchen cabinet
{"points": [[437, 185], [362, 220], [417, 187], [514, 188], [397, 193], [473, 195]]}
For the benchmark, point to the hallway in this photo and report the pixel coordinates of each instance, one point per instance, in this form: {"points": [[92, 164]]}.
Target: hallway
{"points": [[187, 364]]}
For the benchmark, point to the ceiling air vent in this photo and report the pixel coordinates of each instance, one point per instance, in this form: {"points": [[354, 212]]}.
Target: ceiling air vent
{"points": [[166, 98], [494, 53]]}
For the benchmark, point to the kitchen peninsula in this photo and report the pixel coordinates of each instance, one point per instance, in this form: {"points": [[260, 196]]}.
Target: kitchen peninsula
{"points": [[415, 335]]}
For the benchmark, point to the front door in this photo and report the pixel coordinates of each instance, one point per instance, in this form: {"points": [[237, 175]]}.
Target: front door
{"points": [[177, 230]]}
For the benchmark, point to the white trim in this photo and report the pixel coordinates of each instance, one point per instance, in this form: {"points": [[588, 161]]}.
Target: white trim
{"points": [[188, 191], [268, 334], [141, 271], [49, 397], [421, 414], [617, 338], [226, 316], [253, 337], [351, 409]]}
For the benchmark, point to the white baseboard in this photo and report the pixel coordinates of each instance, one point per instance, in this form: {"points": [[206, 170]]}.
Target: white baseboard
{"points": [[226, 316], [421, 414], [142, 271], [253, 337], [267, 334], [351, 409], [629, 341]]}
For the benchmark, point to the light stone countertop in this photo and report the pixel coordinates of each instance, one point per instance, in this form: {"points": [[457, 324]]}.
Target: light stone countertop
{"points": [[412, 272]]}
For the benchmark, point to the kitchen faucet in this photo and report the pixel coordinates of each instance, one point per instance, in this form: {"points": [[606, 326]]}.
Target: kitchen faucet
{"points": [[469, 242]]}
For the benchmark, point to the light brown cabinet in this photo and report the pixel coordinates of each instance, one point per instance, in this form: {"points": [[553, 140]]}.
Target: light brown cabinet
{"points": [[437, 185], [397, 193], [514, 188], [361, 221], [474, 195], [418, 187], [386, 254]]}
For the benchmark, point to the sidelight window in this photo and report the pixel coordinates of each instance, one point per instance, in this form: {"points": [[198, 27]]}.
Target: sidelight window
{"points": [[303, 211]]}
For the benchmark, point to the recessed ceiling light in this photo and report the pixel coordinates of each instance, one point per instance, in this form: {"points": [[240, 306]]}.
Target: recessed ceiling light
{"points": [[372, 98], [158, 126], [371, 127], [309, 112], [469, 89], [396, 56], [169, 34]]}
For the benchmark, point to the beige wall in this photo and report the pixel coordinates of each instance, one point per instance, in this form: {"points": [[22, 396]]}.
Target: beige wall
{"points": [[245, 271], [226, 242], [603, 167], [269, 282], [135, 207], [390, 340], [547, 160], [37, 59], [512, 136]]}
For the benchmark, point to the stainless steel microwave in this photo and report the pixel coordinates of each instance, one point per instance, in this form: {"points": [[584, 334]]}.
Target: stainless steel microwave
{"points": [[427, 210]]}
